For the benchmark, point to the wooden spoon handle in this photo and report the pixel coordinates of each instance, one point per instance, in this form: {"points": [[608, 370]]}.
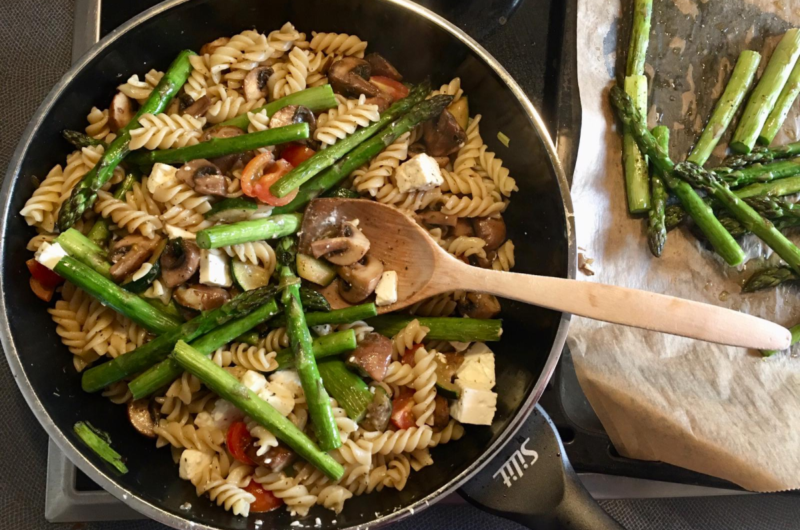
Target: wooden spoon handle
{"points": [[630, 307]]}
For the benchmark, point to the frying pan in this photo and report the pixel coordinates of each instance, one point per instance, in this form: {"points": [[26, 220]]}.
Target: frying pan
{"points": [[421, 44]]}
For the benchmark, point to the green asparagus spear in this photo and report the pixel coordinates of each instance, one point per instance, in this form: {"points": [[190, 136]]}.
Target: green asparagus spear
{"points": [[442, 328], [766, 93], [674, 216], [317, 398], [228, 387], [656, 226], [325, 346], [85, 193], [168, 370], [795, 339], [86, 251], [640, 36], [217, 147], [782, 106], [99, 233], [768, 278], [776, 188], [337, 316], [272, 227], [155, 351], [327, 157], [347, 388], [80, 140], [760, 173], [741, 210], [637, 181], [762, 155], [100, 443], [774, 207], [315, 99], [720, 239], [422, 112], [739, 84]]}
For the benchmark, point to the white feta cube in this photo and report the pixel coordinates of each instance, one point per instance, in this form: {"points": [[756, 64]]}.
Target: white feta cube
{"points": [[475, 406], [386, 290], [50, 254], [193, 463], [254, 381], [418, 174], [161, 177], [215, 269], [477, 370], [221, 416], [322, 330], [173, 232]]}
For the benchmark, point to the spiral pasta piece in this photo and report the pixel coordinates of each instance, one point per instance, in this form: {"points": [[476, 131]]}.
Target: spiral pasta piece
{"points": [[184, 388], [98, 127], [369, 179], [174, 410], [471, 206], [229, 105], [166, 131], [255, 49], [333, 497], [424, 385], [125, 215], [197, 84], [284, 39], [494, 167], [337, 123], [505, 257], [412, 334], [397, 471], [296, 497], [252, 357], [258, 253], [118, 393], [264, 439], [36, 241], [339, 44], [412, 200], [401, 441], [399, 374], [421, 458], [293, 75], [259, 121], [233, 498], [189, 437], [468, 154], [140, 90], [276, 339], [453, 88], [41, 208], [359, 327], [466, 183], [465, 246]]}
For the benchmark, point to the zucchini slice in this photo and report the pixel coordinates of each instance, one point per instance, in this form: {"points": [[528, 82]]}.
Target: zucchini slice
{"points": [[445, 371], [141, 284], [232, 210], [248, 276], [314, 270]]}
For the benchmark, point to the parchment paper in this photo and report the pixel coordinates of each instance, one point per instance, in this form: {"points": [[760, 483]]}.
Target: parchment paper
{"points": [[721, 411]]}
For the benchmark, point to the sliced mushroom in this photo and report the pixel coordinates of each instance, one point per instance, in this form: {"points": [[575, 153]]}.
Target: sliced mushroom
{"points": [[179, 262], [378, 412], [381, 100], [201, 297], [463, 228], [372, 356], [211, 47], [479, 305], [226, 131], [490, 229], [198, 108], [142, 417], [121, 112], [350, 77], [359, 280], [436, 218], [128, 254], [255, 83], [347, 248], [204, 177], [276, 459], [380, 66], [441, 413], [443, 136], [292, 114]]}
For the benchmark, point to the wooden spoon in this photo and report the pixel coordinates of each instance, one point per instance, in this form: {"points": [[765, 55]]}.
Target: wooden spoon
{"points": [[424, 269]]}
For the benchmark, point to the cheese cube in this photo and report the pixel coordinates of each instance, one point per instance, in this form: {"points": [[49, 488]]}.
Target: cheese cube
{"points": [[161, 177], [221, 417], [475, 406], [50, 254], [386, 290], [477, 370], [254, 381], [418, 174], [215, 269]]}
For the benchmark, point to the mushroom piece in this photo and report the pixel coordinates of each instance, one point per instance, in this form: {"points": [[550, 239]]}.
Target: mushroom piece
{"points": [[463, 228], [255, 83], [490, 229], [276, 459], [347, 248], [415, 149], [359, 280], [128, 254], [479, 305], [121, 112], [381, 100], [143, 417], [211, 47], [198, 107], [441, 413], [378, 412], [201, 297], [179, 261], [443, 136], [380, 66], [293, 114], [350, 77], [204, 177], [372, 356], [436, 218]]}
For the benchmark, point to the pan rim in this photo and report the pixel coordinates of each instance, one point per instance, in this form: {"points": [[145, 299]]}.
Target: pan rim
{"points": [[149, 509]]}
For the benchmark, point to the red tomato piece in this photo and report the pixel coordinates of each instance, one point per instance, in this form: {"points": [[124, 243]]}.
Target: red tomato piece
{"points": [[47, 278], [265, 501], [237, 441], [408, 355], [261, 173], [394, 89], [41, 291], [296, 154], [402, 415]]}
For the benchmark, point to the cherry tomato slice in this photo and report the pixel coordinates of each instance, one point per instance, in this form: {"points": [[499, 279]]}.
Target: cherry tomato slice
{"points": [[261, 173], [237, 441], [408, 355], [402, 415], [394, 89], [296, 154], [265, 501], [47, 278], [42, 292]]}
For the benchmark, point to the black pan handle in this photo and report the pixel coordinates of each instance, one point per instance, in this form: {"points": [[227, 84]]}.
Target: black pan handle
{"points": [[531, 481]]}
